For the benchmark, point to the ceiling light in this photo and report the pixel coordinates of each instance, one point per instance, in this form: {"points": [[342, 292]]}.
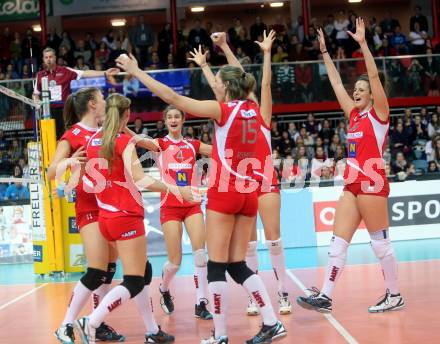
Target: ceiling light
{"points": [[353, 1], [276, 4], [118, 22], [36, 28], [198, 9]]}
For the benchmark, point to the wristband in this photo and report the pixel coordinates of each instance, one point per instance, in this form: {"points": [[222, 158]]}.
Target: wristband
{"points": [[324, 52]]}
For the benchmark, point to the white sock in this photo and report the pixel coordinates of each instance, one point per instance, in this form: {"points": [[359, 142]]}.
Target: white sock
{"points": [[201, 282], [337, 255], [168, 272], [115, 297], [278, 262], [99, 294], [77, 301], [381, 244], [145, 308], [218, 291], [252, 256], [255, 287]]}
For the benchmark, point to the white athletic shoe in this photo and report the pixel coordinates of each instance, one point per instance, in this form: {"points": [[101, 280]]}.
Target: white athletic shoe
{"points": [[86, 331], [65, 334], [388, 303], [284, 303], [252, 308], [212, 340]]}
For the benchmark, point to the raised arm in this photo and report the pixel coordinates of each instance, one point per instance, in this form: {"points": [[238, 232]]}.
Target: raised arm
{"points": [[379, 96], [344, 99], [266, 92], [96, 73], [143, 141], [205, 108], [200, 59]]}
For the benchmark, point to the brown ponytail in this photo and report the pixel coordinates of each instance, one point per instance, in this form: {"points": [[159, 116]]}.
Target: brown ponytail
{"points": [[239, 84], [77, 105], [116, 105]]}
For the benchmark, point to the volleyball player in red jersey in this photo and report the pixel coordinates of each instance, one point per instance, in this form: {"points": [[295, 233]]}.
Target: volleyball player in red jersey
{"points": [[232, 200], [366, 190], [269, 200], [114, 174], [82, 112], [177, 160]]}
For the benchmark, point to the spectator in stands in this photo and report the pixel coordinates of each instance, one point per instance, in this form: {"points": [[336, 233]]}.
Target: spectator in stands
{"points": [[341, 130], [90, 42], [30, 42], [198, 36], [434, 125], [67, 41], [341, 26], [432, 167], [26, 73], [15, 150], [59, 84], [234, 31], [309, 39], [114, 54], [143, 40], [307, 140], [415, 78], [15, 49], [24, 167], [400, 140], [189, 132], [431, 70], [53, 40], [80, 65], [336, 141], [257, 28], [399, 41], [398, 78], [290, 170], [280, 55], [417, 38], [81, 50], [312, 126], [400, 164], [5, 41], [304, 78], [329, 27], [66, 54], [389, 24], [102, 54], [165, 40], [206, 139], [293, 132], [419, 18], [16, 191], [276, 137], [139, 128], [286, 144], [160, 130], [326, 133]]}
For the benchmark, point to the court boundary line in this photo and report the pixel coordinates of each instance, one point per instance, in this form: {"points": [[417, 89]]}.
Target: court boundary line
{"points": [[22, 296], [331, 319]]}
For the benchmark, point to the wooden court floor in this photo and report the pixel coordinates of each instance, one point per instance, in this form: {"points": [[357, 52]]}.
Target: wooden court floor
{"points": [[30, 313]]}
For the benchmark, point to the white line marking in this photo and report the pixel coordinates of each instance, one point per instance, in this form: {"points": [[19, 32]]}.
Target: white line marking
{"points": [[18, 298], [342, 331]]}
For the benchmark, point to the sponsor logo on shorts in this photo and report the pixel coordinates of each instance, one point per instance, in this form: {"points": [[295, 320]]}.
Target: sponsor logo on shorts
{"points": [[129, 234], [114, 305], [258, 298], [217, 303]]}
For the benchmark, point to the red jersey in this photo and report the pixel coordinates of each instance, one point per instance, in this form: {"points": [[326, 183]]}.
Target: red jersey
{"points": [[266, 175], [177, 161], [59, 83], [78, 136], [234, 152], [116, 195], [366, 140]]}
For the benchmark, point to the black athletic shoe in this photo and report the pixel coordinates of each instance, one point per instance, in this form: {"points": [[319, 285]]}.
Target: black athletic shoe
{"points": [[65, 334], [166, 302], [268, 333], [159, 337], [317, 301], [105, 333], [201, 312]]}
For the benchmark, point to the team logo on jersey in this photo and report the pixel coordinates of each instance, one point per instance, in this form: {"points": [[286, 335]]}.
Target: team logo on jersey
{"points": [[76, 131], [356, 135], [182, 178], [248, 114], [96, 142], [232, 104], [352, 149]]}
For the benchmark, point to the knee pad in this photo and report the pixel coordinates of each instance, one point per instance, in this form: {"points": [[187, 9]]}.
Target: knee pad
{"points": [[216, 271], [134, 284], [94, 278], [199, 258], [148, 276], [251, 249], [111, 270], [239, 272], [338, 248], [275, 246], [381, 244]]}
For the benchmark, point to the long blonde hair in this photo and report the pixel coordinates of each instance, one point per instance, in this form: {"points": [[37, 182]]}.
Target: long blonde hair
{"points": [[115, 107]]}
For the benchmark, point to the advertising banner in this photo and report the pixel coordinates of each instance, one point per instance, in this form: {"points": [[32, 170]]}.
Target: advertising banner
{"points": [[13, 10], [71, 7]]}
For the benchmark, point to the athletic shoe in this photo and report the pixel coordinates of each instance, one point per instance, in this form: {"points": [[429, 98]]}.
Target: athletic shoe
{"points": [[86, 331], [317, 301], [106, 333], [389, 302], [212, 340], [252, 308], [159, 337], [65, 334], [284, 303], [268, 333], [166, 302], [201, 312]]}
